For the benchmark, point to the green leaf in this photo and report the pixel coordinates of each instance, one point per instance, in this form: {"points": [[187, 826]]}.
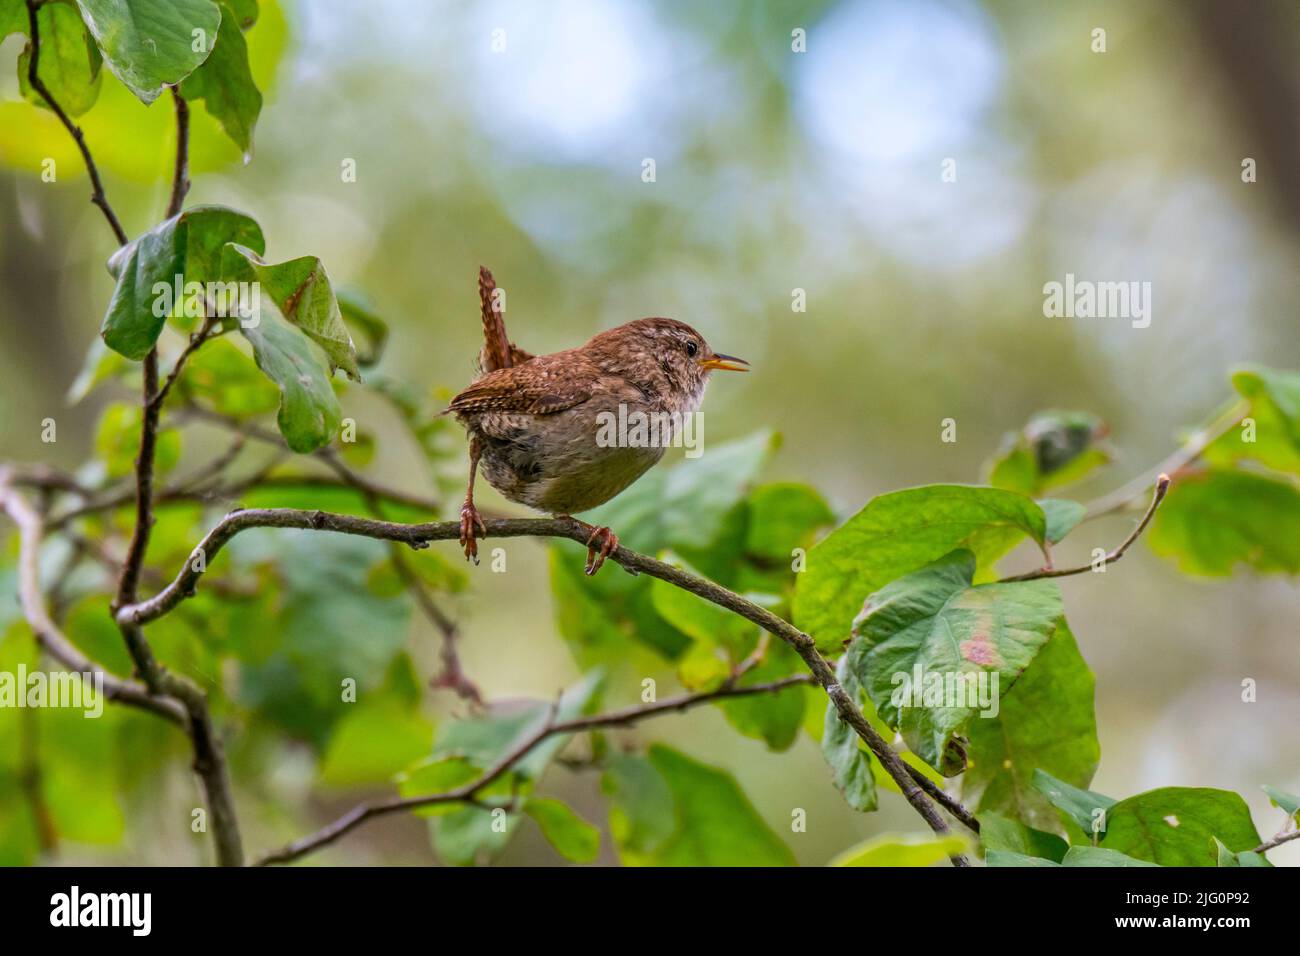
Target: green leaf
{"points": [[225, 84], [932, 627], [1284, 801], [684, 506], [1175, 826], [436, 775], [1002, 858], [483, 740], [223, 376], [721, 641], [903, 849], [471, 836], [850, 764], [149, 44], [117, 442], [775, 718], [295, 655], [999, 833], [1212, 522], [702, 621], [13, 17], [1062, 517], [602, 619], [1053, 449], [136, 315], [897, 533], [641, 811], [81, 765], [1225, 857], [1100, 856], [572, 836], [183, 249], [245, 12], [1076, 856], [69, 65], [1046, 722], [373, 742], [91, 631], [467, 836], [694, 512], [783, 516], [302, 293], [1084, 808], [1273, 429], [309, 413], [714, 823], [1248, 857]]}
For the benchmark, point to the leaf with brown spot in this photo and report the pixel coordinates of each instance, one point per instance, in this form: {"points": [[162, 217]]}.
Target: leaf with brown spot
{"points": [[301, 290], [935, 626]]}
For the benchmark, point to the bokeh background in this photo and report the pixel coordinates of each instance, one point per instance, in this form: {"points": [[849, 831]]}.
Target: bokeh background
{"points": [[775, 171]]}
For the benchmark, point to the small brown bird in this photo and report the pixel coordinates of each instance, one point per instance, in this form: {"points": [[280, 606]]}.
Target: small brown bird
{"points": [[534, 421]]}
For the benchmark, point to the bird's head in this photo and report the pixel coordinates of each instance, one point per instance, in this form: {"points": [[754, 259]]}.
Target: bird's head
{"points": [[664, 354]]}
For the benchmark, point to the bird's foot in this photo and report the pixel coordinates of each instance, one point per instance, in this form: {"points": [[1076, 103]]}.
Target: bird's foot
{"points": [[471, 528], [600, 546]]}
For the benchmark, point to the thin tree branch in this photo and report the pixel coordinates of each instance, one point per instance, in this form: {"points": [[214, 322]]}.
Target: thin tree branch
{"points": [[549, 727], [181, 174], [97, 187], [327, 456], [129, 581], [47, 478], [187, 492], [196, 340], [1132, 492], [950, 803], [453, 676], [1162, 487], [1277, 841], [419, 535]]}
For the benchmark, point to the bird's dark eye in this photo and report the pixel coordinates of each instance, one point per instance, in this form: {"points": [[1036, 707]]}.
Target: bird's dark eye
{"points": [[691, 349]]}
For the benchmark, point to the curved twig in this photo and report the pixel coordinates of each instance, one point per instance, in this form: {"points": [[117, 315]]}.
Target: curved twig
{"points": [[1277, 841], [97, 186], [1162, 487], [549, 727], [1130, 493]]}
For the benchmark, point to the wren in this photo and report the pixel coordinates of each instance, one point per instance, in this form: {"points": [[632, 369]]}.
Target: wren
{"points": [[533, 420]]}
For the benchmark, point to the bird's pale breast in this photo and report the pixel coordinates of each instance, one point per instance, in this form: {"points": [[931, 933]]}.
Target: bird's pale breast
{"points": [[555, 463]]}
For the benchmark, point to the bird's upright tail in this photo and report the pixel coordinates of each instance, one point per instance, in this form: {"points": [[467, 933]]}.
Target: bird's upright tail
{"points": [[497, 352]]}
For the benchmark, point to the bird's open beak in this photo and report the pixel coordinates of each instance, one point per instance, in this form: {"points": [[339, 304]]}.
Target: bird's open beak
{"points": [[727, 363]]}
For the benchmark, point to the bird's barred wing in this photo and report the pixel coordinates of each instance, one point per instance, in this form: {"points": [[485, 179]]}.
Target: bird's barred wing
{"points": [[543, 386]]}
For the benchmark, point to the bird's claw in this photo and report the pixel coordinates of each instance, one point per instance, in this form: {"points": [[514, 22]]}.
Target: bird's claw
{"points": [[471, 528], [596, 555]]}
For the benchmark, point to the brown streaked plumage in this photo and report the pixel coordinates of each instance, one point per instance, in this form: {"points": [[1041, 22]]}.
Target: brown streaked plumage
{"points": [[533, 421]]}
